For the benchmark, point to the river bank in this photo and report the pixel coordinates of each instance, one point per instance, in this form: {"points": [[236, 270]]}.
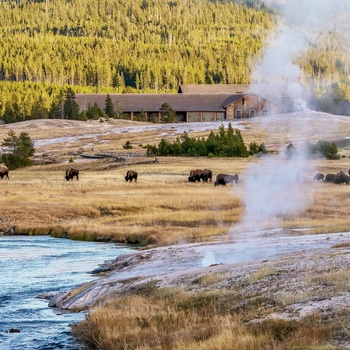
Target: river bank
{"points": [[292, 274], [300, 275]]}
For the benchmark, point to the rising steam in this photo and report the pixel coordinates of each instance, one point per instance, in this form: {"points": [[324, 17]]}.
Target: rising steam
{"points": [[274, 186], [300, 23]]}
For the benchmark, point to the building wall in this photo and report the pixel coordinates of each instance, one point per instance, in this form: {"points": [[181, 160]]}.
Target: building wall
{"points": [[248, 107]]}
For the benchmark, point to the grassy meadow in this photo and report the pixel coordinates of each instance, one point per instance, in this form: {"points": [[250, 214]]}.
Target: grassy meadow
{"points": [[161, 208]]}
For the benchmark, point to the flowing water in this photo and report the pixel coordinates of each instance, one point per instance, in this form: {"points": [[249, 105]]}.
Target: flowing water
{"points": [[30, 266]]}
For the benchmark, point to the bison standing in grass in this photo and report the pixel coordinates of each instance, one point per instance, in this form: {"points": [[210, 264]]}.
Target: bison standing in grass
{"points": [[131, 175], [341, 178], [70, 173], [330, 178], [223, 179], [207, 175], [4, 171], [319, 177], [195, 175]]}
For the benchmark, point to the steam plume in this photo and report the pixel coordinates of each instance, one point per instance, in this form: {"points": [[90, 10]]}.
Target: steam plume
{"points": [[274, 187], [299, 23]]}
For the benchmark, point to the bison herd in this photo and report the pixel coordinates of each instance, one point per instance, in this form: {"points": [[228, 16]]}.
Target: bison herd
{"points": [[206, 175], [338, 178], [199, 175]]}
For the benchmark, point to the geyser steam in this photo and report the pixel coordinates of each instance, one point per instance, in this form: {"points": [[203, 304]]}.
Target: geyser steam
{"points": [[274, 186]]}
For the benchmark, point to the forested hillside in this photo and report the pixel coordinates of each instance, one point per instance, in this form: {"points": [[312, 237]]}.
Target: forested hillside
{"points": [[133, 46]]}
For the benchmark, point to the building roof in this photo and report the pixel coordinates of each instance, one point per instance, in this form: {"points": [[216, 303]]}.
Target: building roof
{"points": [[267, 91], [153, 102], [214, 89]]}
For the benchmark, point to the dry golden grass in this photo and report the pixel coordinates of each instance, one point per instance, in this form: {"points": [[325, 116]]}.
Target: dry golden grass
{"points": [[261, 273], [203, 321], [161, 208]]}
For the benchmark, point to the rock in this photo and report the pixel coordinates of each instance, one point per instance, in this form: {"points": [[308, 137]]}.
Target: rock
{"points": [[14, 330]]}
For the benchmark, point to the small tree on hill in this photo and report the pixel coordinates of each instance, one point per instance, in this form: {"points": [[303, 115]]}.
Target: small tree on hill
{"points": [[70, 106], [19, 149], [56, 110], [94, 112]]}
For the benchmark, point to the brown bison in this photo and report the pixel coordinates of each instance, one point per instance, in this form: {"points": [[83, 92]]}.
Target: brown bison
{"points": [[330, 178], [131, 175], [223, 179], [319, 177], [4, 171], [207, 175], [341, 178], [70, 173], [195, 175]]}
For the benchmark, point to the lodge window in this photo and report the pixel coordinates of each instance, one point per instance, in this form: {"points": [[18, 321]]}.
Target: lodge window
{"points": [[208, 116], [220, 116], [238, 114], [265, 112], [194, 117], [251, 114]]}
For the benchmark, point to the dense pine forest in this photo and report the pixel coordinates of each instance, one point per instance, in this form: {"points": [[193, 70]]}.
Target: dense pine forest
{"points": [[117, 46]]}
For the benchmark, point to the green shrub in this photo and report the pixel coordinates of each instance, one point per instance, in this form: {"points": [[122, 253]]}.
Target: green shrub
{"points": [[226, 143], [322, 149], [127, 145]]}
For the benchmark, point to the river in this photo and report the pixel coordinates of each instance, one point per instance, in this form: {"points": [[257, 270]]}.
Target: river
{"points": [[30, 266]]}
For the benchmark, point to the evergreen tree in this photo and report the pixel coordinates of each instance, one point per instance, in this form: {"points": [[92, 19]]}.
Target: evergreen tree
{"points": [[20, 149], [224, 144], [94, 112], [70, 106], [39, 111], [109, 107], [56, 111], [168, 114]]}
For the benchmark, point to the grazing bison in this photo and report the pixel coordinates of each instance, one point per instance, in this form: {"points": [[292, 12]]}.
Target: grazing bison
{"points": [[319, 177], [223, 179], [195, 175], [190, 178], [70, 173], [330, 178], [207, 175], [4, 171], [341, 178], [131, 175]]}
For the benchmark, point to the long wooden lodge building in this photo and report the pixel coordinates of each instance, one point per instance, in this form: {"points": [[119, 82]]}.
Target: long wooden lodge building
{"points": [[194, 103]]}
